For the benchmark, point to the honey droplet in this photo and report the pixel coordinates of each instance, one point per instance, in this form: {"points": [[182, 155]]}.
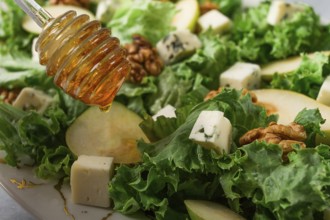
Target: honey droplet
{"points": [[84, 59], [105, 108]]}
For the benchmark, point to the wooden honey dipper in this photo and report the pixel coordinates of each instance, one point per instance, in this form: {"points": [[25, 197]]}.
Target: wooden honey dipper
{"points": [[82, 56]]}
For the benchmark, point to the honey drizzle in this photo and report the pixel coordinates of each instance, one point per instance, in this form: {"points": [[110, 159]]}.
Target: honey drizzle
{"points": [[108, 215], [86, 62], [58, 188], [23, 184]]}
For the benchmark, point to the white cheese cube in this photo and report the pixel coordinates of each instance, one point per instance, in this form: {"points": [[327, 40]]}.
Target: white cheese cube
{"points": [[90, 176], [324, 93], [215, 20], [178, 45], [280, 10], [32, 99], [241, 75], [168, 112], [212, 130]]}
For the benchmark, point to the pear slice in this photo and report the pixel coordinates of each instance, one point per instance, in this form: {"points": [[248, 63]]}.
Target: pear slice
{"points": [[113, 133], [288, 104], [284, 66], [55, 10], [187, 15], [205, 210]]}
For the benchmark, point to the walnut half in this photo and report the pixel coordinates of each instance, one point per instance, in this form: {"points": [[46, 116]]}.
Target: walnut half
{"points": [[284, 135]]}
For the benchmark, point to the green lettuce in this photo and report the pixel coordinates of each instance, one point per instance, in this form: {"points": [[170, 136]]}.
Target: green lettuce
{"points": [[13, 39], [174, 167], [252, 180], [215, 56], [151, 19], [260, 42], [173, 83], [296, 190], [21, 72], [134, 95], [307, 79], [311, 119], [41, 137]]}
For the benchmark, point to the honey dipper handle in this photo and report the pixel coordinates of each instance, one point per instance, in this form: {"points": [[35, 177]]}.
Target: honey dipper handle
{"points": [[35, 11]]}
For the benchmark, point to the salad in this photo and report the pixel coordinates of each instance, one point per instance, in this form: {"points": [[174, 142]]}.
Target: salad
{"points": [[276, 174]]}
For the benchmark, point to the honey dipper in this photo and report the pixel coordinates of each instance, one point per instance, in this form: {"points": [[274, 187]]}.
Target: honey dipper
{"points": [[84, 59]]}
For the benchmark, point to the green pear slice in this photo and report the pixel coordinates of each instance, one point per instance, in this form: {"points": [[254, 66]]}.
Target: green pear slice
{"points": [[205, 210], [113, 133], [288, 104], [187, 15], [55, 10], [283, 66]]}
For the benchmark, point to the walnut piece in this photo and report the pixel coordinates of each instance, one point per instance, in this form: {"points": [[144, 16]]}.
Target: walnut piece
{"points": [[284, 135], [8, 96], [213, 93], [144, 59], [207, 6]]}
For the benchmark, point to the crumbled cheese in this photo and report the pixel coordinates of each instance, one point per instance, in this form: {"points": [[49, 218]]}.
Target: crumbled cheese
{"points": [[178, 45], [241, 75], [215, 20], [212, 130], [30, 98], [168, 112]]}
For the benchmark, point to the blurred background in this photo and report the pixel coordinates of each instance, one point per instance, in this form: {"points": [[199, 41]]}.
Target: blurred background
{"points": [[320, 6]]}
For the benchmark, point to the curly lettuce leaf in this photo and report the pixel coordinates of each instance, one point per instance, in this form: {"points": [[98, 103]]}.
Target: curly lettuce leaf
{"points": [[21, 71], [13, 39], [311, 119], [134, 95], [40, 137], [296, 190], [215, 56], [178, 165], [261, 42], [173, 84], [307, 79], [298, 34], [162, 127], [151, 19]]}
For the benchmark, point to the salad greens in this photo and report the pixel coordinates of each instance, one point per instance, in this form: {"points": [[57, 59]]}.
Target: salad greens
{"points": [[13, 39], [261, 42], [174, 167], [307, 79], [252, 180], [40, 137]]}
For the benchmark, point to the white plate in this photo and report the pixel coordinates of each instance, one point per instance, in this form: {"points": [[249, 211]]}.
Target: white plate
{"points": [[41, 199]]}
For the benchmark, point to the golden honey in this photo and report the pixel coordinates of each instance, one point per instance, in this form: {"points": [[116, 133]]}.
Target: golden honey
{"points": [[84, 59]]}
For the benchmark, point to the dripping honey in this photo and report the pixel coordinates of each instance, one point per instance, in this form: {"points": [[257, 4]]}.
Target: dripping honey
{"points": [[84, 59]]}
